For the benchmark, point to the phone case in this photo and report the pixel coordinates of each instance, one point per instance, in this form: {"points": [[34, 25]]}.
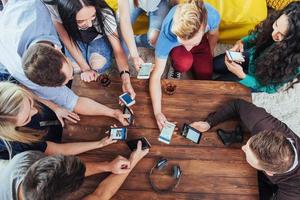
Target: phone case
{"points": [[144, 72], [189, 127], [126, 104], [131, 119], [124, 134]]}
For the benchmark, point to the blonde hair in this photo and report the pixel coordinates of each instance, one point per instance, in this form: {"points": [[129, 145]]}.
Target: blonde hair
{"points": [[188, 18], [11, 98]]}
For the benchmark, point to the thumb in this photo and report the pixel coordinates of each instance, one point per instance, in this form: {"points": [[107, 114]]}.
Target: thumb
{"points": [[61, 121]]}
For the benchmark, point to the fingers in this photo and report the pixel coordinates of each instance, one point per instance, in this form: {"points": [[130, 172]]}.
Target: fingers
{"points": [[74, 116], [61, 121], [139, 145]]}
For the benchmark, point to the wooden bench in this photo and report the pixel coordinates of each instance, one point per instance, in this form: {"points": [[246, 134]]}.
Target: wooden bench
{"points": [[210, 170]]}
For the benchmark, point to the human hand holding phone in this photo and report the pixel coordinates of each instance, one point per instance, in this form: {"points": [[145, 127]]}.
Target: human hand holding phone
{"points": [[160, 120], [238, 46], [235, 68], [200, 126]]}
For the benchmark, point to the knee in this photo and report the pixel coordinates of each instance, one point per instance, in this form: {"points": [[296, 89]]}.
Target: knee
{"points": [[97, 61], [152, 37], [181, 62]]}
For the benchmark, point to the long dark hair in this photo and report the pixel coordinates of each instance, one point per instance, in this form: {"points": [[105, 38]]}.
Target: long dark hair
{"points": [[69, 8], [277, 62]]}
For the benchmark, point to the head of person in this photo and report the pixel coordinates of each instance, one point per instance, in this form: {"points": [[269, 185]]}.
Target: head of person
{"points": [[16, 109], [46, 65], [53, 178], [83, 14], [269, 151], [278, 40], [189, 23]]}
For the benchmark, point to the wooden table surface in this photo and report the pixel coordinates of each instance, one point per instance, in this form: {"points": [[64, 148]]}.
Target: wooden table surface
{"points": [[210, 170]]}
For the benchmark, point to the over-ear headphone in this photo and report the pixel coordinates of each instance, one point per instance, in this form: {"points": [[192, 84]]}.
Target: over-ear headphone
{"points": [[176, 174]]}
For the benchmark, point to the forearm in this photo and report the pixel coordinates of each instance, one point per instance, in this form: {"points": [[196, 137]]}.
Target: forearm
{"points": [[87, 106], [213, 39], [155, 93], [126, 27], [72, 48], [121, 60], [71, 148], [107, 188], [96, 168]]}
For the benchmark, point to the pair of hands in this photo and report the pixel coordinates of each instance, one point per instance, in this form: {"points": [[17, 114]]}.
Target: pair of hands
{"points": [[122, 165], [200, 126], [234, 67]]}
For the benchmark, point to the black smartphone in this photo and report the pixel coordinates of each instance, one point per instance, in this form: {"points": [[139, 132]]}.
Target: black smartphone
{"points": [[132, 144], [191, 133], [118, 133], [126, 110]]}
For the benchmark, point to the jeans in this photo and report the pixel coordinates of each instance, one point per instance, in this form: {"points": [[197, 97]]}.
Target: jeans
{"points": [[100, 46], [5, 75], [199, 59]]}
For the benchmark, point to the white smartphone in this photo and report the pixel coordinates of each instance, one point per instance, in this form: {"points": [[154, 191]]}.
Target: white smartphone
{"points": [[145, 71], [235, 56], [126, 99], [167, 132], [118, 133]]}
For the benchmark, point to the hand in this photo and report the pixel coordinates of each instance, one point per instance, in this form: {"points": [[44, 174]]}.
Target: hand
{"points": [[120, 165], [126, 86], [106, 141], [89, 75], [138, 154], [200, 126], [235, 68], [160, 120], [239, 46], [118, 114], [137, 61], [62, 113]]}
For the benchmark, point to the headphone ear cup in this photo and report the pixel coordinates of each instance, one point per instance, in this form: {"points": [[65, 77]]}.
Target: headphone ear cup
{"points": [[161, 163], [176, 172]]}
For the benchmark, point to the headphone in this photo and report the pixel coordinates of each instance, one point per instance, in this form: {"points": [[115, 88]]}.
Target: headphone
{"points": [[176, 174]]}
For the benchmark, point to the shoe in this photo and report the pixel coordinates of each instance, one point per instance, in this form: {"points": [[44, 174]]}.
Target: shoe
{"points": [[228, 138], [172, 74]]}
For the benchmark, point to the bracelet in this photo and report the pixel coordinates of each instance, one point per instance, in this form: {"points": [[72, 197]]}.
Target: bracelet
{"points": [[123, 72]]}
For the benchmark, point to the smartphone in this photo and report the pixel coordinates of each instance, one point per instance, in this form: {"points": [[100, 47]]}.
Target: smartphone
{"points": [[235, 56], [145, 71], [191, 133], [132, 144], [126, 99], [167, 132], [126, 110], [118, 133]]}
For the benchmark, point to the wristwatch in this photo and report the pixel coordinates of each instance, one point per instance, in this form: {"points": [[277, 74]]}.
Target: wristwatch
{"points": [[123, 72]]}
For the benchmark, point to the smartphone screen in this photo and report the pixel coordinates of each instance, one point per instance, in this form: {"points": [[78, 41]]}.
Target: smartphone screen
{"points": [[145, 70], [118, 133], [132, 144], [193, 135], [127, 111], [166, 133], [127, 98], [235, 56]]}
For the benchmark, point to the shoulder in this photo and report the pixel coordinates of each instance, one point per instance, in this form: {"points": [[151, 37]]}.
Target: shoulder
{"points": [[213, 17]]}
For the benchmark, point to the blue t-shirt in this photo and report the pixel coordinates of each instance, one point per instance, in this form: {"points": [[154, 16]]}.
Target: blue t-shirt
{"points": [[168, 40], [22, 24]]}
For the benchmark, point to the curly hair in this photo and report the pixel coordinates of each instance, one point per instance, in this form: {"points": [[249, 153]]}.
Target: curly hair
{"points": [[283, 58]]}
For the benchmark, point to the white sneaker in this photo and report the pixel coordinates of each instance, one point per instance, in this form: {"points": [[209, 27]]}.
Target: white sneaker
{"points": [[172, 74]]}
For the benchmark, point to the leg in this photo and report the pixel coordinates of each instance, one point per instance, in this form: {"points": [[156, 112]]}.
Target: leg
{"points": [[155, 21], [100, 54], [181, 59], [202, 65]]}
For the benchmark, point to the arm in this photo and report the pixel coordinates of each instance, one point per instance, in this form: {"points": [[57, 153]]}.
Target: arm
{"points": [[107, 188], [72, 48], [253, 83], [248, 41], [155, 89], [121, 63], [213, 37], [126, 29], [76, 147]]}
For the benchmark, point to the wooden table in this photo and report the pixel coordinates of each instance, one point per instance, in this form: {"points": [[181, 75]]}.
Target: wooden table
{"points": [[210, 170]]}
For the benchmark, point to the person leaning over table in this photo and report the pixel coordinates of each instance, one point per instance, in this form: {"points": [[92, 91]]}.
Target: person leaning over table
{"points": [[20, 128], [31, 175], [273, 149], [190, 33], [272, 53], [32, 56]]}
